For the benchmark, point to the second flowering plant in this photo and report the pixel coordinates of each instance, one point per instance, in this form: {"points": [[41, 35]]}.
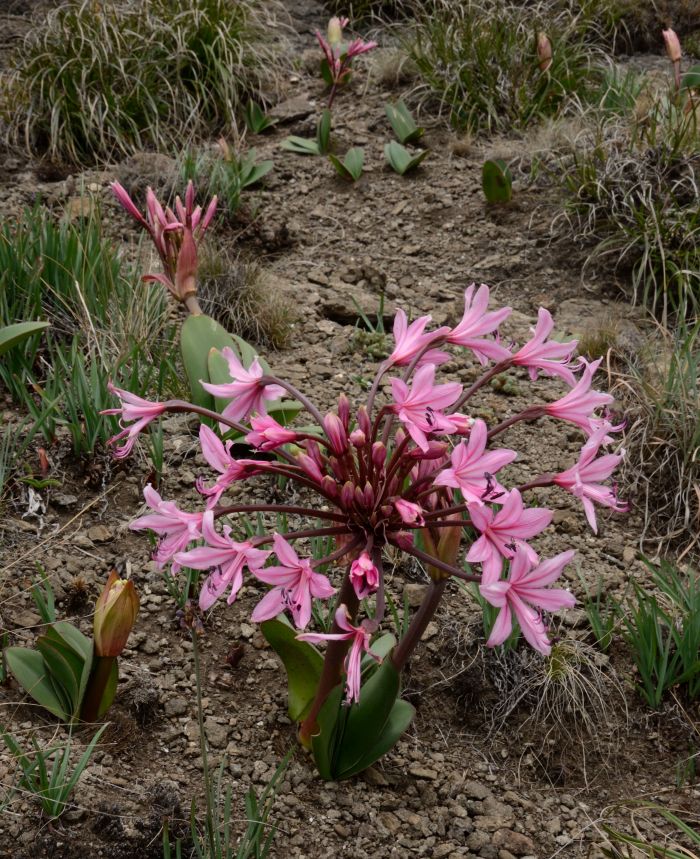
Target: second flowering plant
{"points": [[408, 471]]}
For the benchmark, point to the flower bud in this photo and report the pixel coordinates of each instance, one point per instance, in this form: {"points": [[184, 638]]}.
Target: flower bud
{"points": [[410, 513], [186, 271], [310, 467], [378, 454], [368, 495], [673, 45], [335, 31], [364, 576], [404, 540], [115, 613], [544, 52], [344, 410], [335, 431], [347, 494], [358, 438], [329, 486], [314, 452], [363, 421]]}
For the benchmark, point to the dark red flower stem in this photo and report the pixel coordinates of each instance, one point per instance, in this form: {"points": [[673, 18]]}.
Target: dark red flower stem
{"points": [[297, 394], [480, 382], [278, 508], [438, 564], [542, 480]]}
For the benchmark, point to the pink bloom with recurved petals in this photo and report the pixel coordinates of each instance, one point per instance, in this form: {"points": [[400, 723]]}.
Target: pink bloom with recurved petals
{"points": [[133, 408], [524, 588], [227, 557], [584, 479], [268, 434], [473, 467], [503, 533], [550, 357], [410, 513], [219, 458], [578, 406], [477, 323], [418, 407], [361, 640], [295, 584], [410, 340], [176, 528], [245, 391], [364, 576]]}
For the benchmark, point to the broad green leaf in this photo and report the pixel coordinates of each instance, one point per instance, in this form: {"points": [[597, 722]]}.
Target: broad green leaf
{"points": [[350, 167], [381, 647], [323, 133], [199, 335], [400, 718], [497, 182], [402, 122], [66, 668], [323, 743], [255, 118], [302, 661], [691, 79], [300, 145], [110, 691], [11, 335], [400, 159], [81, 644], [31, 673]]}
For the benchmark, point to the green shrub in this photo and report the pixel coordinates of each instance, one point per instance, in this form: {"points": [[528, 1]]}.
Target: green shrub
{"points": [[95, 81]]}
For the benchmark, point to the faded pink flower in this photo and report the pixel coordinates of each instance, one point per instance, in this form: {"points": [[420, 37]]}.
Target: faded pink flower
{"points": [[226, 556], [364, 576], [524, 588], [578, 406], [419, 407], [268, 434], [584, 479], [176, 528], [504, 532], [132, 408], [549, 356], [245, 391], [473, 467], [476, 323], [361, 641], [410, 340], [410, 513], [295, 584]]}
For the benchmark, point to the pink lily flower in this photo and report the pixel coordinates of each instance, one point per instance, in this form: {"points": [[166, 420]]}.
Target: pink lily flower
{"points": [[132, 408], [472, 467], [476, 323], [524, 588], [364, 576], [504, 532], [245, 391], [219, 458], [268, 434], [410, 340], [577, 407], [227, 557], [419, 407], [295, 584], [550, 357], [176, 528], [584, 479], [361, 640], [410, 513]]}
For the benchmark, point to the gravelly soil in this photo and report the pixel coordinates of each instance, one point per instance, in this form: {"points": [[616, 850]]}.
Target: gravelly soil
{"points": [[480, 773]]}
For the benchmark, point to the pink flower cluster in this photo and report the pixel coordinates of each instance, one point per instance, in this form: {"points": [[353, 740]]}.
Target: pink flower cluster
{"points": [[338, 55], [400, 475]]}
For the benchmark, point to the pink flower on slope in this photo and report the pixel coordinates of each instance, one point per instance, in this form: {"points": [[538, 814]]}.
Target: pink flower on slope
{"points": [[550, 357], [476, 323], [410, 513], [176, 528], [503, 533], [584, 479], [132, 408], [227, 556], [268, 434], [295, 584], [524, 588], [364, 576], [472, 467], [360, 637], [410, 340], [219, 458], [419, 407], [245, 391], [578, 406]]}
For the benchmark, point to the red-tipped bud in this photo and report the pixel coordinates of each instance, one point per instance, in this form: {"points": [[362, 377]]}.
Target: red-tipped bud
{"points": [[347, 494], [330, 487], [338, 469], [310, 467], [368, 495], [435, 450], [358, 438], [115, 614], [344, 410], [363, 421], [404, 540], [364, 576], [335, 431], [359, 497], [314, 452], [544, 52], [378, 454], [673, 45], [186, 272], [399, 437]]}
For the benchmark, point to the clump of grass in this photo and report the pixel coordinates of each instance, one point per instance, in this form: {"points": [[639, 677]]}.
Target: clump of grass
{"points": [[95, 81], [239, 294], [478, 60], [660, 393], [653, 831]]}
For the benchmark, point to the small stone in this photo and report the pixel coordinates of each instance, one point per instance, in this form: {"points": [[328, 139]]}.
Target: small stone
{"points": [[375, 777], [515, 842], [83, 542], [629, 554], [414, 593], [100, 534], [175, 707], [64, 499], [476, 790], [423, 772]]}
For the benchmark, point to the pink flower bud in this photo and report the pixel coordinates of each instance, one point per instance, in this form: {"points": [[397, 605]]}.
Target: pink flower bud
{"points": [[335, 30], [344, 410], [673, 45], [335, 431], [310, 467], [368, 495], [378, 454], [314, 452], [363, 421], [115, 614], [404, 540], [364, 576], [330, 487], [410, 513], [544, 52], [347, 494], [358, 438]]}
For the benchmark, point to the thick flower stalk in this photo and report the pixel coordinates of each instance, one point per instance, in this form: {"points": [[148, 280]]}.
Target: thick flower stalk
{"points": [[414, 474], [338, 55]]}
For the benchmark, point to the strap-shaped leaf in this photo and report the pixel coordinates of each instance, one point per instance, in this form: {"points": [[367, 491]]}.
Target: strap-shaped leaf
{"points": [[66, 669], [11, 335], [497, 181], [300, 145], [691, 79], [302, 661], [402, 122], [199, 335], [381, 647], [330, 719], [401, 159], [400, 718], [81, 644], [31, 673], [110, 690]]}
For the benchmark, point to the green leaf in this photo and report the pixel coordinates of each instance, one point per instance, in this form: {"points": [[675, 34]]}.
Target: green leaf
{"points": [[255, 118], [302, 661], [323, 743], [81, 644], [251, 173], [402, 122], [300, 145], [199, 335], [497, 182], [400, 159], [350, 167], [381, 647], [400, 718], [110, 691], [691, 79], [11, 335], [32, 674], [323, 132], [65, 666]]}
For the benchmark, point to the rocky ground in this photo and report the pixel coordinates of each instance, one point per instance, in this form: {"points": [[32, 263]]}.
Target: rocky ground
{"points": [[483, 771]]}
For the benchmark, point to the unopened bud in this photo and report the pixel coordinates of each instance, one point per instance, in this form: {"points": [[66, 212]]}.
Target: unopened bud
{"points": [[363, 421], [358, 438], [369, 495], [344, 410], [673, 45], [314, 452], [544, 52], [347, 494], [378, 454], [335, 431], [329, 486], [404, 540], [115, 613], [335, 31], [309, 467]]}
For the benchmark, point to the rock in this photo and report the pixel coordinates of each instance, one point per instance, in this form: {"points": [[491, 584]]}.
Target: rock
{"points": [[423, 772], [476, 790], [375, 777], [298, 107], [515, 842], [100, 534], [629, 554], [217, 735], [83, 542], [64, 499], [414, 593], [176, 707], [25, 619]]}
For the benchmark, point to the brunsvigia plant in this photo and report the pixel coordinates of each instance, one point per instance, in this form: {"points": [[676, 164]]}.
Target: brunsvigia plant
{"points": [[338, 55], [414, 474]]}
